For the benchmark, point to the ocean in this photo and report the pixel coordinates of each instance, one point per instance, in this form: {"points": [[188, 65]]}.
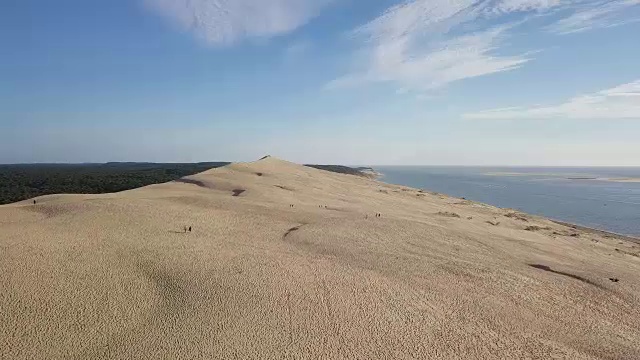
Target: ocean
{"points": [[591, 197]]}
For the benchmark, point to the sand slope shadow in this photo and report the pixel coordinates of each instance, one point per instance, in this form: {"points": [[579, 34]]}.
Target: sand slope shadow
{"points": [[237, 192], [295, 228], [448, 214], [573, 276], [192, 182], [170, 288], [170, 305]]}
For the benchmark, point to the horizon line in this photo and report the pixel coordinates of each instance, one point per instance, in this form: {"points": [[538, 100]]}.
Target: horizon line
{"points": [[317, 163]]}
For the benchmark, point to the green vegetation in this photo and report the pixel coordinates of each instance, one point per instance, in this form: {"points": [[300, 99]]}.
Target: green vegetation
{"points": [[21, 182]]}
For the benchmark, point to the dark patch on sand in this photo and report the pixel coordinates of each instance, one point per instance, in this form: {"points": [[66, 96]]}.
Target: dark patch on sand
{"points": [[295, 228], [536, 228], [565, 233], [573, 276], [237, 192], [448, 214], [48, 210], [192, 182], [171, 289], [517, 216]]}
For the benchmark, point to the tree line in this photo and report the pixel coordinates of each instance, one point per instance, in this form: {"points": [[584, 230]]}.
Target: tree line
{"points": [[25, 181]]}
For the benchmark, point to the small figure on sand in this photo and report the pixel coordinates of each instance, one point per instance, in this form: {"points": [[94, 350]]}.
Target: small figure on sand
{"points": [[189, 228], [34, 202]]}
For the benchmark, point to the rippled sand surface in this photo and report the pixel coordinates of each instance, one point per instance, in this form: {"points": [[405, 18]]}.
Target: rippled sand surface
{"points": [[285, 261]]}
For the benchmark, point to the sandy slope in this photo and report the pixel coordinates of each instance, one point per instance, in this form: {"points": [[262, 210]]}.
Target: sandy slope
{"points": [[112, 276]]}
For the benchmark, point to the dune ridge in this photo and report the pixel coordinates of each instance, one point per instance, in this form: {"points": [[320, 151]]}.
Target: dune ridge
{"points": [[288, 261]]}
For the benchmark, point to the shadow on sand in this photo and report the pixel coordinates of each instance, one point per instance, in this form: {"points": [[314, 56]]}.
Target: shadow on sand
{"points": [[580, 278]]}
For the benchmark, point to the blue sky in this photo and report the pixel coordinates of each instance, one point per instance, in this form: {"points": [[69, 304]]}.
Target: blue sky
{"points": [[465, 82]]}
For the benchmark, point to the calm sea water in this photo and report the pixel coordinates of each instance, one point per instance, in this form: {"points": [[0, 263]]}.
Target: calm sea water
{"points": [[558, 193]]}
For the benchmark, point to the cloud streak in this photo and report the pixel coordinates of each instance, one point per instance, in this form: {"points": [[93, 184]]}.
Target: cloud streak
{"points": [[426, 44], [620, 102], [223, 22], [598, 14]]}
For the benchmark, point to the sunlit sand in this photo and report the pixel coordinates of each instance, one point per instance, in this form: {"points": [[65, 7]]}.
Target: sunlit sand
{"points": [[285, 261]]}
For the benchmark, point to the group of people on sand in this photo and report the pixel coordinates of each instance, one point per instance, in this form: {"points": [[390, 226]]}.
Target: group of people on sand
{"points": [[320, 206], [326, 207], [189, 228]]}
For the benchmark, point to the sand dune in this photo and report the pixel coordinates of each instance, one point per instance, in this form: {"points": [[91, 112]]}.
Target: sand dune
{"points": [[627, 179], [287, 261], [566, 176]]}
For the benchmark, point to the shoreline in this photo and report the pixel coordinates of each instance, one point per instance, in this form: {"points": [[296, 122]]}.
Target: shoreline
{"points": [[606, 233], [561, 176]]}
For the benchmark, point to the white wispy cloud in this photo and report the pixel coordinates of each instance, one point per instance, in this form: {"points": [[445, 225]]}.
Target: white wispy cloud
{"points": [[509, 6], [220, 22], [425, 44], [597, 14], [620, 102], [451, 60]]}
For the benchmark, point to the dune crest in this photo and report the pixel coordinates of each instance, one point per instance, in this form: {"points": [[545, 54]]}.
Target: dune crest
{"points": [[287, 261]]}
